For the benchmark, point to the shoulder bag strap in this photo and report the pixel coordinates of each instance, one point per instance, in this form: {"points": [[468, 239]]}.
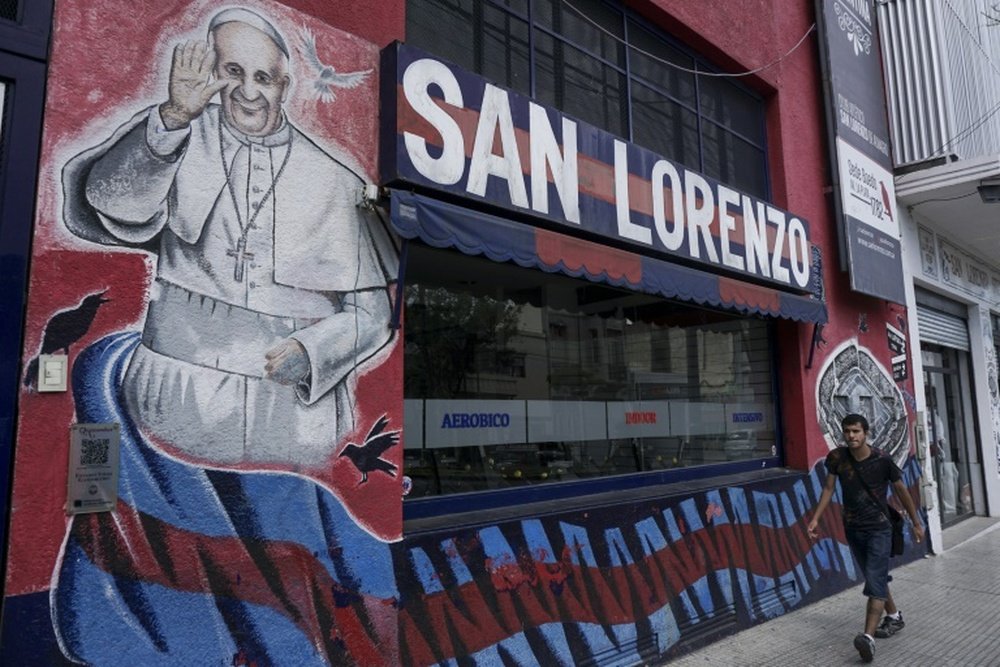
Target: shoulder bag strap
{"points": [[857, 471]]}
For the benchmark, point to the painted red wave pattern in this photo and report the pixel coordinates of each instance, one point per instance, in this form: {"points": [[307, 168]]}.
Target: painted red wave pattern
{"points": [[514, 597], [279, 575]]}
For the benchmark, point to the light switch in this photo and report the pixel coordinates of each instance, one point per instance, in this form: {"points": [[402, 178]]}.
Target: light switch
{"points": [[52, 372]]}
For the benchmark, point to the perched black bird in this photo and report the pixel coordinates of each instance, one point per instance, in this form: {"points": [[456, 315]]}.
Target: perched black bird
{"points": [[65, 328], [366, 457]]}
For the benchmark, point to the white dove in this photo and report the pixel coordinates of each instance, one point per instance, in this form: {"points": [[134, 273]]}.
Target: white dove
{"points": [[328, 78]]}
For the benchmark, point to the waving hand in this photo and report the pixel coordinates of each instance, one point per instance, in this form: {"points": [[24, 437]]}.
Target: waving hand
{"points": [[191, 85]]}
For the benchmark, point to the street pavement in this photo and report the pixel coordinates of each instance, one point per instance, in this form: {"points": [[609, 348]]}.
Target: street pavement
{"points": [[950, 602]]}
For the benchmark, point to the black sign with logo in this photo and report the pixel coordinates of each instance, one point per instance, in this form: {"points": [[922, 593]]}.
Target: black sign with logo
{"points": [[861, 152]]}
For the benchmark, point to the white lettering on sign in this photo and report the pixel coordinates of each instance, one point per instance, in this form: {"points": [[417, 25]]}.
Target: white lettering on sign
{"points": [[665, 177], [798, 250], [755, 237], [686, 206], [545, 154], [494, 117], [727, 223], [699, 216], [778, 272], [625, 225], [419, 77]]}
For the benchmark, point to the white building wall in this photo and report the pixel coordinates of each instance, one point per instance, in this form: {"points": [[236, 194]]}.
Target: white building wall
{"points": [[930, 259], [929, 486], [985, 396], [941, 61]]}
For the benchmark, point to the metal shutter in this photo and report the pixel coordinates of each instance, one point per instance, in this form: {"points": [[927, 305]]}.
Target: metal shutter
{"points": [[942, 328]]}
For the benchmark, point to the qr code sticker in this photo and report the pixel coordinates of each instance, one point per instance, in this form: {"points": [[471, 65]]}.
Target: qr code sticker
{"points": [[94, 451]]}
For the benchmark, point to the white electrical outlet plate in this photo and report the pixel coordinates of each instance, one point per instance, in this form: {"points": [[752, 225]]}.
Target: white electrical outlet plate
{"points": [[53, 370]]}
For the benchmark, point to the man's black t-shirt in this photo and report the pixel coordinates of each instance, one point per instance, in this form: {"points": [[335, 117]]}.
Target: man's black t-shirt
{"points": [[878, 470]]}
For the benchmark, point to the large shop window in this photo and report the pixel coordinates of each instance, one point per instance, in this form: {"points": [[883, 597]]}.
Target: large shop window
{"points": [[597, 61], [516, 377]]}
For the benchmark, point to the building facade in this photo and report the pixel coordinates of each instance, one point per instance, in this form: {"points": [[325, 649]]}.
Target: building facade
{"points": [[488, 331], [945, 145]]}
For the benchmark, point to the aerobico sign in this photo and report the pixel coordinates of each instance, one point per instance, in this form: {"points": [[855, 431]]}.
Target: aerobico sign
{"points": [[856, 111], [451, 131]]}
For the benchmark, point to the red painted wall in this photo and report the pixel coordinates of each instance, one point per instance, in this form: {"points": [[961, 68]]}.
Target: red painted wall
{"points": [[376, 22], [742, 37], [297, 537], [738, 36]]}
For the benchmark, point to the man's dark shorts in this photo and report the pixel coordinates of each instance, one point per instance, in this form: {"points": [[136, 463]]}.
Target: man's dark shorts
{"points": [[871, 549]]}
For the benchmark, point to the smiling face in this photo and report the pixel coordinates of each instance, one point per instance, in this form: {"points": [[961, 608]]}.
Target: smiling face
{"points": [[257, 73]]}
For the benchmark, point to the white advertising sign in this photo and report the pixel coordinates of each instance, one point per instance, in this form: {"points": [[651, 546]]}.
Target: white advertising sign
{"points": [[566, 420], [413, 423], [868, 191], [742, 417], [639, 419], [691, 418], [450, 423]]}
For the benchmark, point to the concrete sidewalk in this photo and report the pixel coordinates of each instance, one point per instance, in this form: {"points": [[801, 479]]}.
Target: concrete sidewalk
{"points": [[950, 602]]}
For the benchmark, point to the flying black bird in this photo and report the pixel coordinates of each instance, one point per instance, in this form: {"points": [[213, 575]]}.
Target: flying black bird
{"points": [[65, 328], [366, 457]]}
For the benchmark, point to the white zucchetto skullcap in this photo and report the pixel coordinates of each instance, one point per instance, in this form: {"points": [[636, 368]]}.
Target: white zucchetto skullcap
{"points": [[240, 15]]}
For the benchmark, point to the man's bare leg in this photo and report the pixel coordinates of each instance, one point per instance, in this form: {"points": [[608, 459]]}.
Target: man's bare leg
{"points": [[890, 604], [873, 615]]}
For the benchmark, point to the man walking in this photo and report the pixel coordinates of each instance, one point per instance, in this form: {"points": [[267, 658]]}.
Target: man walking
{"points": [[864, 472]]}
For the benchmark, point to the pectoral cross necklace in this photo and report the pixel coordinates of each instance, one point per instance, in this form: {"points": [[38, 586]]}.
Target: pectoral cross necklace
{"points": [[240, 253], [242, 257]]}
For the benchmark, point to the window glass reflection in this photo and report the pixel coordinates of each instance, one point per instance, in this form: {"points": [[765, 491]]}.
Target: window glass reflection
{"points": [[516, 377]]}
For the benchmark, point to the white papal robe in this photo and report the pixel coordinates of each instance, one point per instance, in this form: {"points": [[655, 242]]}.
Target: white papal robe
{"points": [[315, 268]]}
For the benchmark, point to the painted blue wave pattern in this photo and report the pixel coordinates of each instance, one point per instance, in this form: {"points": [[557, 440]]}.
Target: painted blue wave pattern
{"points": [[204, 565]]}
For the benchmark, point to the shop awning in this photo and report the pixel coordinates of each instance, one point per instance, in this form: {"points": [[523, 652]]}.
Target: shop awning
{"points": [[443, 225]]}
